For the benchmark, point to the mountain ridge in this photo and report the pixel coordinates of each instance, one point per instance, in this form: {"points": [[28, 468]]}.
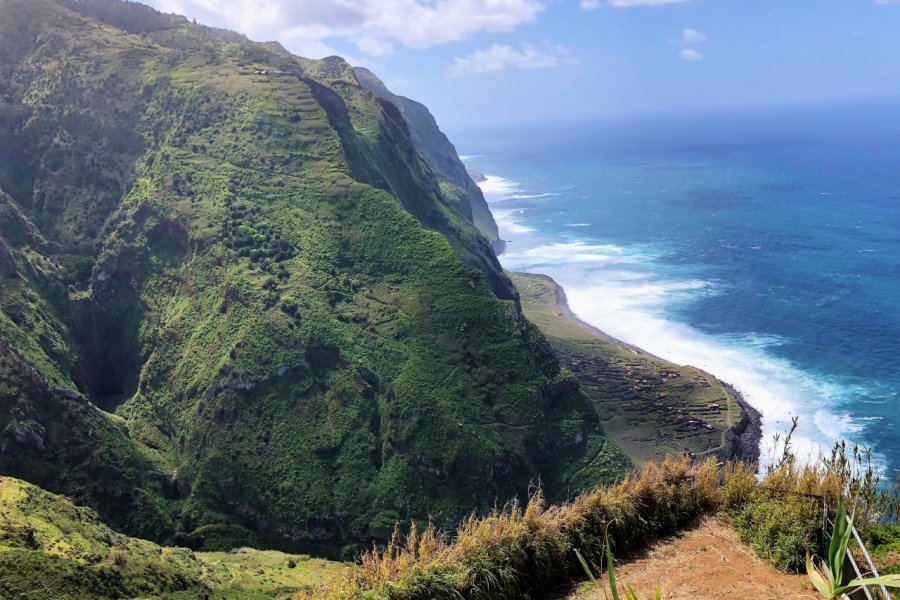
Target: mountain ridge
{"points": [[217, 277], [438, 152]]}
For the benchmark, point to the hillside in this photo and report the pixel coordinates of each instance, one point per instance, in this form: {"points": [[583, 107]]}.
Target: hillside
{"points": [[77, 556], [238, 306], [650, 407], [440, 155]]}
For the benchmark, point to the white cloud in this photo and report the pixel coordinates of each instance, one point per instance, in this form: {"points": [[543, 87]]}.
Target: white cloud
{"points": [[499, 58], [690, 54], [692, 36], [374, 26], [593, 4]]}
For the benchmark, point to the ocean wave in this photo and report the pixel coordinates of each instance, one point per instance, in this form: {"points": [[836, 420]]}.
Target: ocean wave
{"points": [[531, 196], [498, 189], [563, 253], [628, 293], [636, 311], [510, 222]]}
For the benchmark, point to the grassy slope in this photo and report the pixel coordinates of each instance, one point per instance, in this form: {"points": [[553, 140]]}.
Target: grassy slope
{"points": [[650, 407], [50, 547], [237, 302]]}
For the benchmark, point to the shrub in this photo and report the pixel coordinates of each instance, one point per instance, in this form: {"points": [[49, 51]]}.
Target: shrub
{"points": [[780, 530], [515, 552], [782, 516]]}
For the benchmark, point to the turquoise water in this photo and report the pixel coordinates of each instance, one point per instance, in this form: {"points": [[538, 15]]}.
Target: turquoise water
{"points": [[763, 247]]}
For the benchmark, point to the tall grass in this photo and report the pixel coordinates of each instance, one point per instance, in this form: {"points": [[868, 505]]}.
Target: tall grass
{"points": [[518, 552], [783, 516], [521, 552]]}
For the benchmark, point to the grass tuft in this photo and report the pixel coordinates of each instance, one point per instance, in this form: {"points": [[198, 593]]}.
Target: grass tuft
{"points": [[517, 552]]}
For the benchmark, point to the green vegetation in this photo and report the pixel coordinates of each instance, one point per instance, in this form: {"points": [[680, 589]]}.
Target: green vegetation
{"points": [[238, 308], [508, 554], [439, 154], [828, 574], [247, 309], [649, 407], [781, 516], [517, 552], [884, 543], [51, 548]]}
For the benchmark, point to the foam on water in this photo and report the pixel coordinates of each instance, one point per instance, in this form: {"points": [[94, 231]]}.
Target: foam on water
{"points": [[510, 220], [498, 189], [628, 293]]}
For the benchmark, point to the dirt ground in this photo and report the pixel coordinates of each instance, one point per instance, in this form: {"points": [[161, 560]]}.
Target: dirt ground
{"points": [[706, 562]]}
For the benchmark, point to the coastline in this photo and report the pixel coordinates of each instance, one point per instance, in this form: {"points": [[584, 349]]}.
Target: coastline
{"points": [[745, 436], [742, 437]]}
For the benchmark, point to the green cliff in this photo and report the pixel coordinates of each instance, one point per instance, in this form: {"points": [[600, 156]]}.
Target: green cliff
{"points": [[237, 302], [440, 155]]}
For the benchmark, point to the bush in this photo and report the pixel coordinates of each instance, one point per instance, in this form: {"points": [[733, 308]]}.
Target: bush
{"points": [[782, 516], [780, 530], [516, 552]]}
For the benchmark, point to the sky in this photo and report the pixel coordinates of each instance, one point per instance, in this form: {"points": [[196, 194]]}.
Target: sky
{"points": [[477, 63]]}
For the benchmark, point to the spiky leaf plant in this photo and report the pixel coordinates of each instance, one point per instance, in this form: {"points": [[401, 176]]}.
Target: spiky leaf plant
{"points": [[828, 575], [630, 594]]}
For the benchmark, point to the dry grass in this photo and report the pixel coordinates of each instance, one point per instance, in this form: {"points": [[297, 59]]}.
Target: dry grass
{"points": [[518, 552], [525, 552], [705, 561]]}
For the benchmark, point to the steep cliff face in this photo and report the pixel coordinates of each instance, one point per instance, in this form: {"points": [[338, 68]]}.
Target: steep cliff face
{"points": [[233, 294], [440, 155]]}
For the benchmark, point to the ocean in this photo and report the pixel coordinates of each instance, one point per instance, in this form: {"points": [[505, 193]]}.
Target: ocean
{"points": [[763, 247]]}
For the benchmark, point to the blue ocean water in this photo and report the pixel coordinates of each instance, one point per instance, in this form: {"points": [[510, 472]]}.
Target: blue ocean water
{"points": [[763, 247]]}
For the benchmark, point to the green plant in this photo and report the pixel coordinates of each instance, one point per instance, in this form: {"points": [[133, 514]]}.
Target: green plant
{"points": [[828, 576], [516, 551], [613, 586], [780, 516]]}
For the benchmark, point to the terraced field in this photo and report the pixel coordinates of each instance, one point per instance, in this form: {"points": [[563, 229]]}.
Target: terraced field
{"points": [[649, 406]]}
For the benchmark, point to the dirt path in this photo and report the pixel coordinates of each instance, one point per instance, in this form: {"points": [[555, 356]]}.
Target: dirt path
{"points": [[729, 422], [707, 562]]}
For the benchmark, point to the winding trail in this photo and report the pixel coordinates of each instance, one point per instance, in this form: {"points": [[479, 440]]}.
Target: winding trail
{"points": [[730, 421]]}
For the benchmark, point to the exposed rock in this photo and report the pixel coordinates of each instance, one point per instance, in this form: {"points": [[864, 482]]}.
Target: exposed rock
{"points": [[747, 432], [25, 435], [69, 394], [7, 261], [236, 382], [175, 487]]}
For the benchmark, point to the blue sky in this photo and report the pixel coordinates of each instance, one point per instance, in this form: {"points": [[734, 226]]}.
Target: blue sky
{"points": [[478, 62]]}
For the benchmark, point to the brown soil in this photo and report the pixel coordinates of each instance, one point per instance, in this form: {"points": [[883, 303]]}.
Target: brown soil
{"points": [[706, 562]]}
